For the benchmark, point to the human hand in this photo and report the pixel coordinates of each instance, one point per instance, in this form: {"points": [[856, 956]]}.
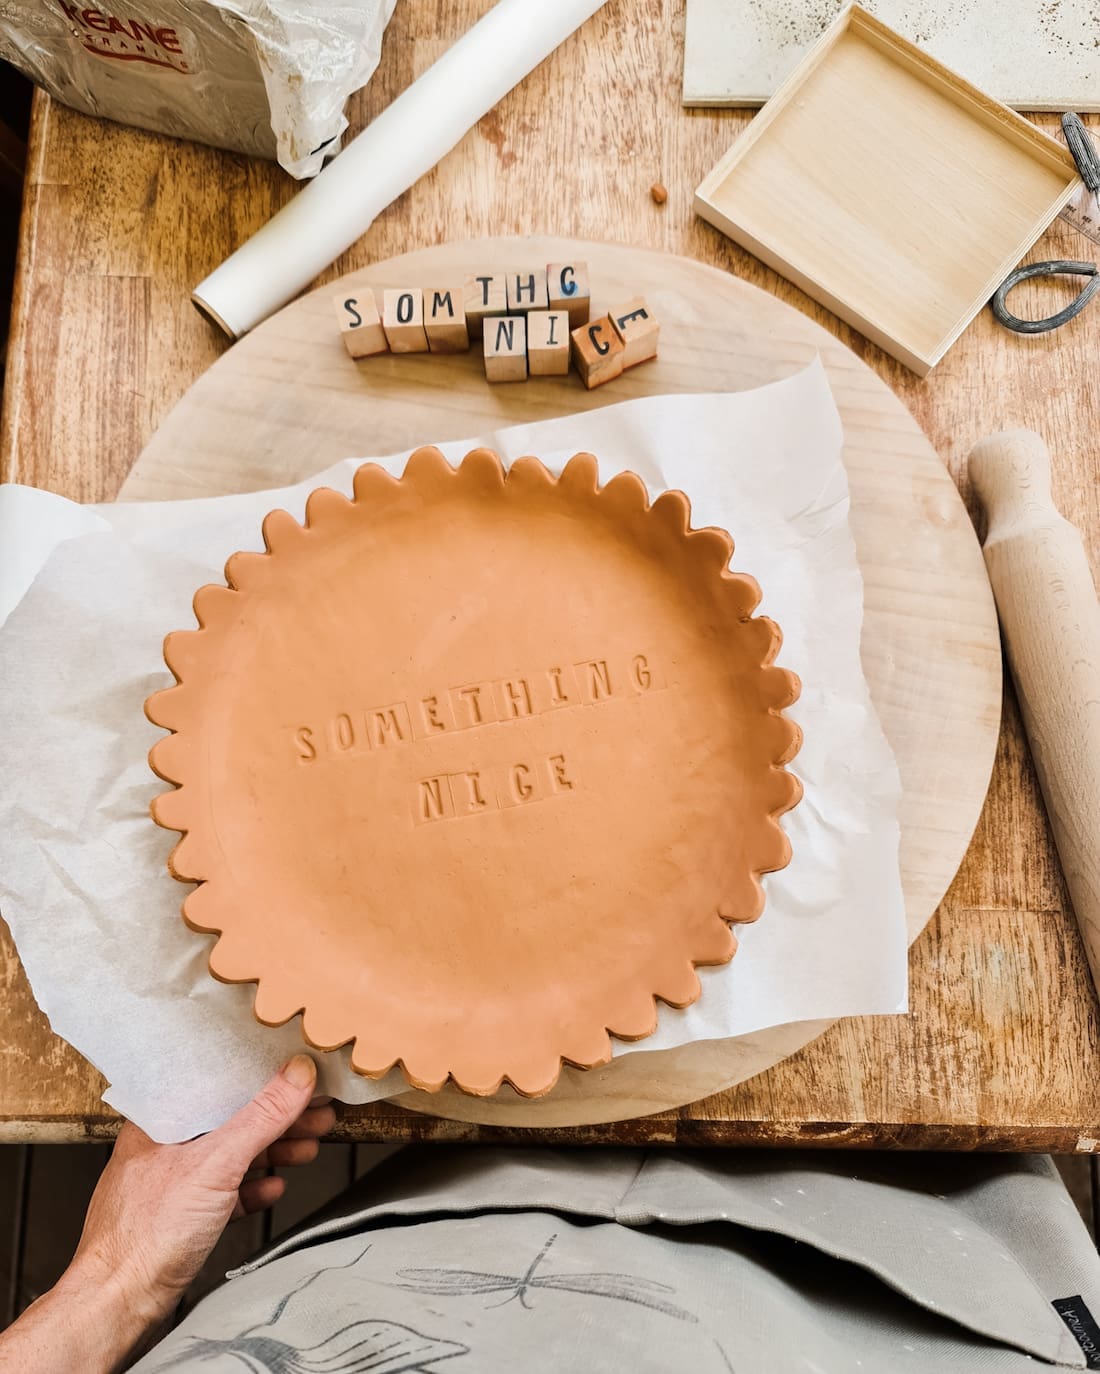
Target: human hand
{"points": [[158, 1210], [155, 1215]]}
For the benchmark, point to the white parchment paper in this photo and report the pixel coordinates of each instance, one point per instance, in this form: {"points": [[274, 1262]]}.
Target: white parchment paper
{"points": [[89, 593]]}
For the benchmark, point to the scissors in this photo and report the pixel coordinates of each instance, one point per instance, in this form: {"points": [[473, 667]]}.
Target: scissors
{"points": [[1088, 164]]}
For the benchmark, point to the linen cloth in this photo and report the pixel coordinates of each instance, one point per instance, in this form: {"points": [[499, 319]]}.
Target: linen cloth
{"points": [[478, 1259]]}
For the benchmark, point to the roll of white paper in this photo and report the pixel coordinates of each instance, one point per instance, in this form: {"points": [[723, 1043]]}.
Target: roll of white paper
{"points": [[406, 140]]}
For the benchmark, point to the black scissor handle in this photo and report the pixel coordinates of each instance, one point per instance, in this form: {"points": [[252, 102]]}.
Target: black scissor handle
{"points": [[1056, 268]]}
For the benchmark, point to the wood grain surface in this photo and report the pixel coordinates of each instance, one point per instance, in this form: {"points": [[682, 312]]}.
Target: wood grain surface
{"points": [[1000, 1048], [287, 401]]}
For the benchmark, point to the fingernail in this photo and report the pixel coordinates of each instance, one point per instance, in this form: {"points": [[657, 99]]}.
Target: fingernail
{"points": [[300, 1071], [319, 1101]]}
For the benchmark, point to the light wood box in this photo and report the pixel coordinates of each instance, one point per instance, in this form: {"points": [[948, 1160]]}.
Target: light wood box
{"points": [[888, 188]]}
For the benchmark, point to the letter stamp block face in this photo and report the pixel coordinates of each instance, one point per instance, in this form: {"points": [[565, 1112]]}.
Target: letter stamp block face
{"points": [[484, 293], [548, 343], [505, 348], [403, 320], [445, 319], [638, 328], [526, 291], [568, 289], [360, 323], [598, 352]]}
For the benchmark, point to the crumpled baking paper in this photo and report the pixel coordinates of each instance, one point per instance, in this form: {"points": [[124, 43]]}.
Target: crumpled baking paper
{"points": [[89, 593]]}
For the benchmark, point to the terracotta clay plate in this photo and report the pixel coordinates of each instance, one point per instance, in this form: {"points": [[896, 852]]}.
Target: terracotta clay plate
{"points": [[473, 768]]}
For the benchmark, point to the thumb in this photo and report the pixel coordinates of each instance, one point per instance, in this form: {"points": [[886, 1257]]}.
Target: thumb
{"points": [[275, 1108]]}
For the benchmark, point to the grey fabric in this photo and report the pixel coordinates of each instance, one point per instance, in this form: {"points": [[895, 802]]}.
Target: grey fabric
{"points": [[618, 1260]]}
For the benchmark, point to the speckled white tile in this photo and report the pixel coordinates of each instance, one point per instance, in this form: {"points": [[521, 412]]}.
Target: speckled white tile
{"points": [[1031, 54]]}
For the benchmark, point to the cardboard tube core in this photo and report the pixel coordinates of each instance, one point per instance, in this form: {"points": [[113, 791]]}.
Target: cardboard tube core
{"points": [[406, 140]]}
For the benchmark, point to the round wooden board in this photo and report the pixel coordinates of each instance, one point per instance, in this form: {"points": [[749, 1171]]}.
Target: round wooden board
{"points": [[286, 401]]}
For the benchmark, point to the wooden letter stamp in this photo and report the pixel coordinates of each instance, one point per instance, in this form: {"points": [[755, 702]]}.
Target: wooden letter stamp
{"points": [[505, 345], [445, 319], [567, 284], [548, 343], [403, 320], [598, 352], [526, 291], [483, 294], [360, 323], [636, 325]]}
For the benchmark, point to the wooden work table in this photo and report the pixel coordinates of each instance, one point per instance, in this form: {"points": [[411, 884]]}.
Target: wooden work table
{"points": [[1001, 1049]]}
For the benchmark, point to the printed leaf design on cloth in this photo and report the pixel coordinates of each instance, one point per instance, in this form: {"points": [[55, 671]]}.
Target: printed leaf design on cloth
{"points": [[370, 1346], [470, 1282], [377, 1346]]}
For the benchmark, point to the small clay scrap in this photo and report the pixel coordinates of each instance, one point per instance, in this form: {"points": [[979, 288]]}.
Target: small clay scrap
{"points": [[476, 767]]}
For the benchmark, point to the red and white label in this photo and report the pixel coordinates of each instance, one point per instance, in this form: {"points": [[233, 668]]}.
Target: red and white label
{"points": [[129, 38]]}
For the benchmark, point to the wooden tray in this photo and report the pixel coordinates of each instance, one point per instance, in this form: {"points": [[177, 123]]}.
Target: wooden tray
{"points": [[888, 188], [287, 401]]}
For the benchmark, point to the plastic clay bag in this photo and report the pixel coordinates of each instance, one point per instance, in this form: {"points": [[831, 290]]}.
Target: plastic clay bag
{"points": [[265, 77]]}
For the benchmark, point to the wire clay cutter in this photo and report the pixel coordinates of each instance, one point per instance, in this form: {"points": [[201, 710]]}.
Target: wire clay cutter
{"points": [[1087, 158]]}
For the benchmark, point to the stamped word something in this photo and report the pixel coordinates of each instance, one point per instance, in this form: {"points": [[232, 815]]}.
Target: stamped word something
{"points": [[472, 705], [502, 702]]}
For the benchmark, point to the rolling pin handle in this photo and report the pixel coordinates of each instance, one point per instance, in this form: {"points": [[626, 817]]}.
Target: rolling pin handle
{"points": [[1010, 473]]}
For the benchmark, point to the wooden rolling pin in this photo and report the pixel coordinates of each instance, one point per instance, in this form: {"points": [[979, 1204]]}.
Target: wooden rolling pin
{"points": [[1050, 621]]}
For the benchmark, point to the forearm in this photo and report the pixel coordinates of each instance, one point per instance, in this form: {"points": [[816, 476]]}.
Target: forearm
{"points": [[83, 1323], [154, 1217]]}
